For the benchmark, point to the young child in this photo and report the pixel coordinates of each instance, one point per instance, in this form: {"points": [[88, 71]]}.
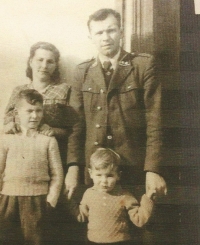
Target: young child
{"points": [[31, 174], [107, 207]]}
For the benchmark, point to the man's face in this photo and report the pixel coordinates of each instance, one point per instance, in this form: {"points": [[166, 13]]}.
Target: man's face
{"points": [[106, 36], [30, 115]]}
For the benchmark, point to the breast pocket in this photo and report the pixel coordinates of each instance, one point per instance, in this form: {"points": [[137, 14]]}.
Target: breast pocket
{"points": [[92, 96], [131, 97]]}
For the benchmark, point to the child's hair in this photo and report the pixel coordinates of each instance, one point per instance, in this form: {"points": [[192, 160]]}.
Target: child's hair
{"points": [[104, 158], [31, 96]]}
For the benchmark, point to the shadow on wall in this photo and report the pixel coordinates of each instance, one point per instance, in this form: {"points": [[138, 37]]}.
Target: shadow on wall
{"points": [[68, 64]]}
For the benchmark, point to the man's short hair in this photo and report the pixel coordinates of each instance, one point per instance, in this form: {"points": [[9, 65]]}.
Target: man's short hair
{"points": [[102, 14], [104, 158], [31, 96]]}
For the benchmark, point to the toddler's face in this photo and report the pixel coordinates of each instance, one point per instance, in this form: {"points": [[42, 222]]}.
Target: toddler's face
{"points": [[30, 115], [104, 179]]}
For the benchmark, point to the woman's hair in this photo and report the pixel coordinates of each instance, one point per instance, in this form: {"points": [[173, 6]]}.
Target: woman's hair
{"points": [[46, 46], [31, 96], [104, 158]]}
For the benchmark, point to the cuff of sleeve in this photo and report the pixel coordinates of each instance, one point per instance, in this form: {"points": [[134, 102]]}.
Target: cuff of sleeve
{"points": [[67, 166], [147, 202], [155, 172], [52, 200], [72, 164]]}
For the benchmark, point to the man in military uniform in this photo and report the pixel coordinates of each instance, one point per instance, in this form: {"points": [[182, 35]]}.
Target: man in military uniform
{"points": [[117, 98]]}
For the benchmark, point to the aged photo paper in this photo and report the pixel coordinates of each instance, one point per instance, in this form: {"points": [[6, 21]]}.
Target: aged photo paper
{"points": [[167, 29]]}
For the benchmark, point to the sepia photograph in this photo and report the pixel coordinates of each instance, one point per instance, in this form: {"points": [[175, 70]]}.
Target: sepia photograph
{"points": [[100, 122]]}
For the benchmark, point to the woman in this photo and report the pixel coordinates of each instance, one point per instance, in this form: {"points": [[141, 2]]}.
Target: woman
{"points": [[43, 72], [42, 69]]}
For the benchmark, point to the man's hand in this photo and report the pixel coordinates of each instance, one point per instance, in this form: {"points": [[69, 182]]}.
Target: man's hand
{"points": [[71, 180], [151, 194], [155, 184], [46, 130], [11, 128]]}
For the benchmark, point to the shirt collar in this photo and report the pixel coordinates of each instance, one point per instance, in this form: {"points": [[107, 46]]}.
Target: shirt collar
{"points": [[41, 91], [28, 132], [113, 60], [116, 191]]}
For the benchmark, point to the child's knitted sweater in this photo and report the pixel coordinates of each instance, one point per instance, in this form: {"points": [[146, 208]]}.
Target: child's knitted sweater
{"points": [[30, 166], [109, 214]]}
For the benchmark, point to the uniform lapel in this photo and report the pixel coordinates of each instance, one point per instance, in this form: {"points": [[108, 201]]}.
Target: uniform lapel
{"points": [[96, 74], [124, 67]]}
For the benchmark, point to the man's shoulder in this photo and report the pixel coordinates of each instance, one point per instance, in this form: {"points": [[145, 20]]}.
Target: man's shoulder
{"points": [[83, 67], [135, 55], [145, 55], [142, 58], [134, 58], [86, 63], [139, 59]]}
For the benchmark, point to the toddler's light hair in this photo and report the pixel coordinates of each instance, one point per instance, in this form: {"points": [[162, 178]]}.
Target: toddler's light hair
{"points": [[104, 158]]}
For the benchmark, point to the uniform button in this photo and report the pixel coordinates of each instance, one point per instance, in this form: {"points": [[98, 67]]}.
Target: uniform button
{"points": [[109, 137], [96, 143], [129, 86], [101, 91], [98, 126], [89, 89], [98, 108]]}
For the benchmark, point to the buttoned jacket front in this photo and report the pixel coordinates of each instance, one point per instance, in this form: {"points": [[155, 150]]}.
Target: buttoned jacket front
{"points": [[130, 106]]}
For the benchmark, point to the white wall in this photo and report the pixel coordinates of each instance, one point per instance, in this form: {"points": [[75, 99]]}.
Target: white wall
{"points": [[24, 22], [197, 6]]}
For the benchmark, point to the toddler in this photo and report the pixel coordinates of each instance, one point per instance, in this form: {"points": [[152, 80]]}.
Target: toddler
{"points": [[107, 207]]}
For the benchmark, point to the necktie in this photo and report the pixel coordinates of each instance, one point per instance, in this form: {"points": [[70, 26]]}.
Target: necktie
{"points": [[108, 71], [106, 65]]}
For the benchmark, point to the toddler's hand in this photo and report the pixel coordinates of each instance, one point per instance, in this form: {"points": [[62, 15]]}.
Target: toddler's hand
{"points": [[11, 128], [46, 130]]}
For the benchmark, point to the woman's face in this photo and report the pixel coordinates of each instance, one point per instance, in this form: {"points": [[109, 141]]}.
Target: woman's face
{"points": [[43, 64]]}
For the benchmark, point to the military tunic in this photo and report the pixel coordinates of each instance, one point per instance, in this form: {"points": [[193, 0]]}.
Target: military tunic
{"points": [[130, 106]]}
